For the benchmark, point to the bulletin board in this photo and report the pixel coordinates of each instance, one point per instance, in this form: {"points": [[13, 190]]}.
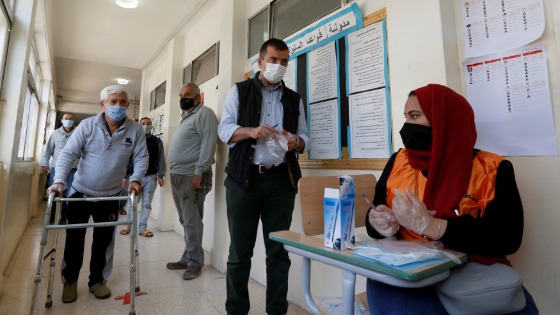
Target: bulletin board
{"points": [[344, 162]]}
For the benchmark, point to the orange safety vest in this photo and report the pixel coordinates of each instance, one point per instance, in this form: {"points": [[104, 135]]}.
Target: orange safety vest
{"points": [[478, 195]]}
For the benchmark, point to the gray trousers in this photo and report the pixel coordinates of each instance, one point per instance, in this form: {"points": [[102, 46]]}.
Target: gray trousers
{"points": [[190, 207]]}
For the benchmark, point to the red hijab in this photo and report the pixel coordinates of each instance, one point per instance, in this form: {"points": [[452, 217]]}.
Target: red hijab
{"points": [[451, 157]]}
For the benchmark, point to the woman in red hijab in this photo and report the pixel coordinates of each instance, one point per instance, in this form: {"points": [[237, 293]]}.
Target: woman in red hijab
{"points": [[441, 188]]}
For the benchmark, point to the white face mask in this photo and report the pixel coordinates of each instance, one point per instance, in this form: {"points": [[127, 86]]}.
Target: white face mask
{"points": [[274, 72], [147, 129]]}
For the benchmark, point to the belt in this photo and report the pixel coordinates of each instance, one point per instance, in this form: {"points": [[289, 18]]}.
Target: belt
{"points": [[262, 169]]}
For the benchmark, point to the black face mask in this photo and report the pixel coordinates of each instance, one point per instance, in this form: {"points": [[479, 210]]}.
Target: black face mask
{"points": [[416, 137], [186, 103]]}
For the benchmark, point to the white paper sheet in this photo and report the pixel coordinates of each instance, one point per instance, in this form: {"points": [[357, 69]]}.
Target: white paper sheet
{"points": [[510, 95], [369, 133], [290, 76], [491, 26], [366, 59], [322, 73], [324, 130]]}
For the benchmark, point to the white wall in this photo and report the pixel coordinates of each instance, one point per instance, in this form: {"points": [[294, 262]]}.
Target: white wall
{"points": [[537, 179], [13, 220], [424, 46]]}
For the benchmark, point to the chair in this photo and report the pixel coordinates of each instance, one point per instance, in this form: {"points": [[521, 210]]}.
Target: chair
{"points": [[311, 190]]}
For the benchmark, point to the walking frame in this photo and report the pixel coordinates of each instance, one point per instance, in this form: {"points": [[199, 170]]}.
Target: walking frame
{"points": [[134, 277]]}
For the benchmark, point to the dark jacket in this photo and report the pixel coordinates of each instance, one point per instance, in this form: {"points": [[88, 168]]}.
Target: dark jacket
{"points": [[250, 101]]}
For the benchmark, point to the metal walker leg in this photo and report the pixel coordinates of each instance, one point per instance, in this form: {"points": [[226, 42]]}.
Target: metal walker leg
{"points": [[134, 276]]}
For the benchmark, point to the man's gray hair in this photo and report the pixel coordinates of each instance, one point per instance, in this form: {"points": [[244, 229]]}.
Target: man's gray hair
{"points": [[193, 86], [112, 89]]}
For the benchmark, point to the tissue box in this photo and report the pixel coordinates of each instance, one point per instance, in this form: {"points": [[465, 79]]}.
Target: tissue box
{"points": [[339, 214]]}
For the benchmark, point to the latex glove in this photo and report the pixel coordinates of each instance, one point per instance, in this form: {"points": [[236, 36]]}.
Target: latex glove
{"points": [[383, 220], [57, 188], [411, 212]]}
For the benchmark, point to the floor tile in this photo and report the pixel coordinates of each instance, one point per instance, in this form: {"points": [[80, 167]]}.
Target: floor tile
{"points": [[166, 291]]}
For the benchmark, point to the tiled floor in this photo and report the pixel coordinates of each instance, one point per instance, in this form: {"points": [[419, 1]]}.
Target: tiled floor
{"points": [[167, 292]]}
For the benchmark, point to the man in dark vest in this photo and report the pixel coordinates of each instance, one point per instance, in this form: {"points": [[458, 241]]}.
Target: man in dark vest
{"points": [[155, 173], [255, 110]]}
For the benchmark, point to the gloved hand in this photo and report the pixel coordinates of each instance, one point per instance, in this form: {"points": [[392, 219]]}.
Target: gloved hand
{"points": [[410, 212], [57, 188], [383, 220]]}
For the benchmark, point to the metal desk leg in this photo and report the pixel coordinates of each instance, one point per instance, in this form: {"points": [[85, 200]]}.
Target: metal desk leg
{"points": [[306, 286], [348, 291]]}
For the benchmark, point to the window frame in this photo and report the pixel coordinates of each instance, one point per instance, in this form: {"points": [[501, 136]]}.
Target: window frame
{"points": [[154, 95], [6, 9], [269, 25], [272, 19], [212, 53], [189, 66], [31, 104]]}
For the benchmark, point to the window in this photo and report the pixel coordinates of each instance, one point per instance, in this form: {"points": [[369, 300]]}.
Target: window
{"points": [[187, 74], [28, 123], [282, 18], [157, 97], [31, 104], [258, 31], [289, 16], [205, 67], [5, 26], [35, 68]]}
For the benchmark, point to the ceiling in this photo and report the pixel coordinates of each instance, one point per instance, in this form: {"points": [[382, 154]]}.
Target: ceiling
{"points": [[95, 42]]}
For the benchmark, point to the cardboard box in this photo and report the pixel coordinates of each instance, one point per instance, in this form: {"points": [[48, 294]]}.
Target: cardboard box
{"points": [[339, 214]]}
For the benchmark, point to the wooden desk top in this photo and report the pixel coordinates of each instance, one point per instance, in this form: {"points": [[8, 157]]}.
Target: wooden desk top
{"points": [[315, 245]]}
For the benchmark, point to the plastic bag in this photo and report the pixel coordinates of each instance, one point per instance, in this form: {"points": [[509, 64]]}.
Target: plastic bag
{"points": [[271, 152], [395, 252]]}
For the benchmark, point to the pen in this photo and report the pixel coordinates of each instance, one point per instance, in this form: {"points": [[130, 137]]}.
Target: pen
{"points": [[368, 202]]}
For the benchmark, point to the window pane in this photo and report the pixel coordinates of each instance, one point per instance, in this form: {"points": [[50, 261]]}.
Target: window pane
{"points": [[24, 125], [160, 94], [205, 67], [187, 72], [153, 100], [32, 62], [31, 126], [288, 16], [4, 31], [258, 31]]}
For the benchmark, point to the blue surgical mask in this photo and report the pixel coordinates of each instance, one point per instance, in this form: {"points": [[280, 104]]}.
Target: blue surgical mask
{"points": [[116, 113], [67, 123]]}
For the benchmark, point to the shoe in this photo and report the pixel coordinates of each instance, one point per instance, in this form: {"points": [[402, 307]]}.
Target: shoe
{"points": [[125, 230], [122, 211], [176, 265], [100, 290], [70, 292], [191, 273], [146, 233]]}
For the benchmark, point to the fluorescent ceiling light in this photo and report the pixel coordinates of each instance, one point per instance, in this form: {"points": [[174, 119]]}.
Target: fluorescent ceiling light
{"points": [[129, 4], [122, 81]]}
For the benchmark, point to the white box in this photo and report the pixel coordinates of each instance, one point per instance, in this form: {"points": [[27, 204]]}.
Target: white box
{"points": [[339, 214]]}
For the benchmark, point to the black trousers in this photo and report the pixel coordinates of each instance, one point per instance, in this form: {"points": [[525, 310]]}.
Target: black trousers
{"points": [[79, 212]]}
